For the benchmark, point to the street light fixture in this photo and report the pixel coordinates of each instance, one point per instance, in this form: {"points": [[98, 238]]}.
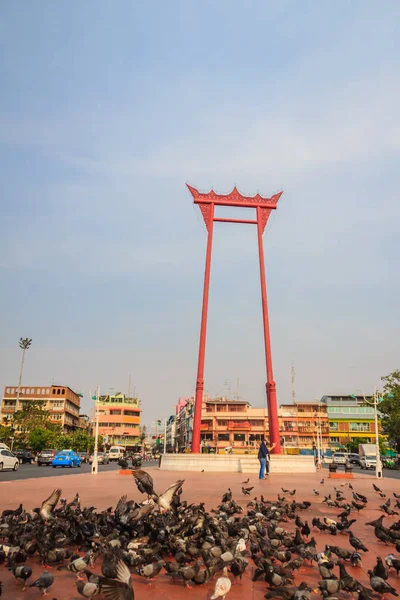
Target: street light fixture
{"points": [[24, 344]]}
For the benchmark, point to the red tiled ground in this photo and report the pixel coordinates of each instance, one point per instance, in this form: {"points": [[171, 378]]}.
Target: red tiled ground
{"points": [[104, 490]]}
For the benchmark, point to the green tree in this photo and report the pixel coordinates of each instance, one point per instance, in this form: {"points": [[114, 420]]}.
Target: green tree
{"points": [[389, 408], [39, 439], [28, 418], [5, 433]]}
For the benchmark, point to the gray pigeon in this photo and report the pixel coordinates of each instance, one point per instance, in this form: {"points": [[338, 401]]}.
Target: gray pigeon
{"points": [[44, 582]]}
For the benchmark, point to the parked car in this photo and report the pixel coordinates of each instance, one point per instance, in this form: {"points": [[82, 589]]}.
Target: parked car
{"points": [[84, 456], [340, 458], [102, 458], [8, 460], [45, 457], [66, 458], [24, 456], [353, 458]]}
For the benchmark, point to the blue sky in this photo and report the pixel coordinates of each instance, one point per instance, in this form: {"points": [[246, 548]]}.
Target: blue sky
{"points": [[107, 109]]}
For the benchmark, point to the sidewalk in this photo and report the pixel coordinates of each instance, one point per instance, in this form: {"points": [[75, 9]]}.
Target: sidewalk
{"points": [[106, 488]]}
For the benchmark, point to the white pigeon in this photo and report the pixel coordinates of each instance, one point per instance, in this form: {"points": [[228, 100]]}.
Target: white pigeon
{"points": [[240, 547], [222, 586]]}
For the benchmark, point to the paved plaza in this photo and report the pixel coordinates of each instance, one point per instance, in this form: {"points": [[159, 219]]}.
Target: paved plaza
{"points": [[106, 488]]}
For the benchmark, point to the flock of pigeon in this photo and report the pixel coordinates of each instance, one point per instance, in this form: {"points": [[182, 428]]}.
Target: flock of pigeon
{"points": [[270, 539]]}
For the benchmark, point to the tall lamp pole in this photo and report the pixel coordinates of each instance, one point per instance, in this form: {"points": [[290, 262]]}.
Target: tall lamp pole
{"points": [[24, 344], [95, 465], [377, 398]]}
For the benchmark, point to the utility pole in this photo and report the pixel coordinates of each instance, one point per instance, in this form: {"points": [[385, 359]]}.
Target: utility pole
{"points": [[165, 435], [293, 385], [95, 466], [24, 344]]}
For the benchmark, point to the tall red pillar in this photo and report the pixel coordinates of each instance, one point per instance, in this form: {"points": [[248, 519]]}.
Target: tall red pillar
{"points": [[208, 214], [270, 386]]}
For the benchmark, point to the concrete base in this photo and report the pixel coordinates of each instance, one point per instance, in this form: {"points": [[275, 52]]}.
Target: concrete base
{"points": [[239, 463]]}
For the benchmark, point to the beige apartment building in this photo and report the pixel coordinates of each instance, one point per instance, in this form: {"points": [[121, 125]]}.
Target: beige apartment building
{"points": [[62, 404]]}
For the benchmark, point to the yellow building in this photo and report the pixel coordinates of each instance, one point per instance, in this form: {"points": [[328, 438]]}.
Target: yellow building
{"points": [[119, 419]]}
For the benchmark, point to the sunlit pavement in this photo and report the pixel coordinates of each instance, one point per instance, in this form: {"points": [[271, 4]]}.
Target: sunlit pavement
{"points": [[105, 489], [34, 472]]}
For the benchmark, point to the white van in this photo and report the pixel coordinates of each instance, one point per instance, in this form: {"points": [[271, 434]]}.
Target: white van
{"points": [[116, 452], [4, 446], [340, 458]]}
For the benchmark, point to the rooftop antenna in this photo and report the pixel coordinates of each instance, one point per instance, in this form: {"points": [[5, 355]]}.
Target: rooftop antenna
{"points": [[293, 385], [237, 389]]}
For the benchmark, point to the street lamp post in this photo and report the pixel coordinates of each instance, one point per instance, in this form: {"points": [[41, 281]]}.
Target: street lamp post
{"points": [[95, 465], [377, 398], [24, 344]]}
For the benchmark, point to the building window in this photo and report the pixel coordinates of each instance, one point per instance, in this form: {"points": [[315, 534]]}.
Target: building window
{"points": [[8, 390], [12, 390], [333, 426], [257, 423], [47, 391], [223, 437], [334, 440], [38, 392], [206, 436], [53, 391], [58, 391], [220, 408], [222, 423], [115, 412], [63, 392], [359, 427], [239, 437]]}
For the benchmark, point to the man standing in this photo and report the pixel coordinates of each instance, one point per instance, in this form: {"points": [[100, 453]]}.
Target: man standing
{"points": [[263, 457]]}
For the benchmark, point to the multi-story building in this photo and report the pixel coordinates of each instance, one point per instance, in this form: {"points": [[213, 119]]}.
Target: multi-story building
{"points": [[232, 423], [184, 424], [119, 419], [299, 423], [170, 430], [61, 403], [350, 419]]}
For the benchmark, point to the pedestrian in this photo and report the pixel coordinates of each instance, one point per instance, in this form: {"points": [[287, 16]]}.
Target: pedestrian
{"points": [[264, 457]]}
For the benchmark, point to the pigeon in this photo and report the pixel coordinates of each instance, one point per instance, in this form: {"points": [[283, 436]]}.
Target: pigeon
{"points": [[222, 586], [164, 501], [356, 559], [316, 492], [322, 481], [376, 488], [380, 586], [246, 482], [151, 570], [22, 573], [44, 582], [393, 562], [87, 590], [227, 497], [380, 570], [143, 481], [48, 506], [12, 513], [121, 587], [356, 542]]}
